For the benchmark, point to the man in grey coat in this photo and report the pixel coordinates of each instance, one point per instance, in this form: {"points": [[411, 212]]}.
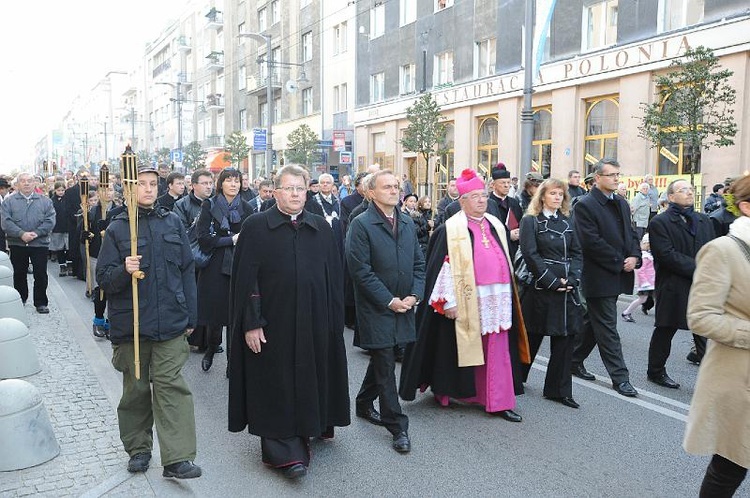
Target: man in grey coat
{"points": [[387, 268], [28, 219]]}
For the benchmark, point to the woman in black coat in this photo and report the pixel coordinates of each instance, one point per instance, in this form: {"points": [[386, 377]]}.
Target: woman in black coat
{"points": [[424, 208], [218, 227], [409, 207], [551, 306], [59, 239]]}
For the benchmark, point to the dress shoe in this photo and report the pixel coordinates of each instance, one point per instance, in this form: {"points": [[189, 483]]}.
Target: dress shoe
{"points": [[401, 442], [626, 389], [370, 414], [664, 380], [294, 471], [628, 317], [693, 357], [139, 462], [208, 360], [567, 401], [581, 372], [182, 470], [510, 416], [42, 309]]}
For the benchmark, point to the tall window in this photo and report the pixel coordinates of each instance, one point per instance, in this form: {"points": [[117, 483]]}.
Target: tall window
{"points": [[277, 110], [304, 3], [241, 28], [307, 101], [339, 98], [443, 69], [339, 38], [676, 14], [487, 143], [377, 87], [602, 116], [378, 145], [307, 46], [407, 12], [275, 12], [443, 4], [242, 78], [541, 153], [276, 56], [407, 74], [243, 119], [377, 21], [674, 156], [263, 113], [599, 24], [262, 20], [484, 58]]}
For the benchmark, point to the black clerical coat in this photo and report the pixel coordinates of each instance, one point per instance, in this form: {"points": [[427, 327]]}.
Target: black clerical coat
{"points": [[433, 359], [286, 279]]}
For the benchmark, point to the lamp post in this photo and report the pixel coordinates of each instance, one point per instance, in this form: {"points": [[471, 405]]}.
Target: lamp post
{"points": [[269, 96], [179, 102], [527, 114]]}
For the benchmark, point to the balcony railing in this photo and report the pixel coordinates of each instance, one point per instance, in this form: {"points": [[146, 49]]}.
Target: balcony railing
{"points": [[214, 101], [183, 44], [256, 84], [212, 141], [161, 68], [185, 79], [215, 19], [215, 61]]}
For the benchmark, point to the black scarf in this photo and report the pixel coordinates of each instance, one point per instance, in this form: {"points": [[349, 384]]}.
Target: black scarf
{"points": [[230, 213], [687, 213]]}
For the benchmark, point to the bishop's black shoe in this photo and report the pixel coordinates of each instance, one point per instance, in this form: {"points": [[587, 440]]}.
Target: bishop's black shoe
{"points": [[510, 416], [294, 471], [370, 414], [581, 372]]}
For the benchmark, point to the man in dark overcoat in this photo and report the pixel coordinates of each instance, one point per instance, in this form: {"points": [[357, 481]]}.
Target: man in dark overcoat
{"points": [[676, 236], [611, 251], [387, 267], [287, 370]]}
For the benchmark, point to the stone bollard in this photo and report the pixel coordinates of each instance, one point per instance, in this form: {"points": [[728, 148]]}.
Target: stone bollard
{"points": [[11, 305], [5, 260], [6, 276], [25, 429], [17, 351]]}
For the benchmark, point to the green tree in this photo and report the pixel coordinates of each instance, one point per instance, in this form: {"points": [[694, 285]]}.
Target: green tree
{"points": [[425, 134], [143, 157], [194, 156], [694, 105], [302, 145], [164, 155], [236, 148]]}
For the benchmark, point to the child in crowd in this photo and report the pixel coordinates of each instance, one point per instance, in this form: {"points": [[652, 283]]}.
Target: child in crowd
{"points": [[645, 278]]}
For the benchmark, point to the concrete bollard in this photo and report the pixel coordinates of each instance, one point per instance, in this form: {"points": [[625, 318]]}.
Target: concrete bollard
{"points": [[5, 260], [11, 305], [25, 429], [18, 356], [6, 276]]}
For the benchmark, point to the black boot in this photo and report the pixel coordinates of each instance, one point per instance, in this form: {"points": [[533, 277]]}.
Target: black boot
{"points": [[208, 359]]}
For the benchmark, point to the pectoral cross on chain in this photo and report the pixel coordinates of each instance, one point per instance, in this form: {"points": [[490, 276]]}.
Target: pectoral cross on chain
{"points": [[485, 240]]}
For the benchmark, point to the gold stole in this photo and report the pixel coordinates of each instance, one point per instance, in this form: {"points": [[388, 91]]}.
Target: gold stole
{"points": [[468, 328]]}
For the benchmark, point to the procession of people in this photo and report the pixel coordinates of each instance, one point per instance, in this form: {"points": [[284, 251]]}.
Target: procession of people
{"points": [[462, 299]]}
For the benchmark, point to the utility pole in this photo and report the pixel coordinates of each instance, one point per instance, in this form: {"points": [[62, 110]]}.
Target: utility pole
{"points": [[132, 127], [179, 120]]}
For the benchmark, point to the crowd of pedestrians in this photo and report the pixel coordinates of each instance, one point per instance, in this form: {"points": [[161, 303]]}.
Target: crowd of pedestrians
{"points": [[463, 297]]}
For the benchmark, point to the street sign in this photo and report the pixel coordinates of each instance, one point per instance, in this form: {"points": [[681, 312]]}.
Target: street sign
{"points": [[345, 157], [259, 138], [339, 141], [176, 156]]}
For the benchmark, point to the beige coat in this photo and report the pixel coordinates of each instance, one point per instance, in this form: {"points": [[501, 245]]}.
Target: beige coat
{"points": [[719, 309]]}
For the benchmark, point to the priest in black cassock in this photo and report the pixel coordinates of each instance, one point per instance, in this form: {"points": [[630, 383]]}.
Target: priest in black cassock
{"points": [[287, 370]]}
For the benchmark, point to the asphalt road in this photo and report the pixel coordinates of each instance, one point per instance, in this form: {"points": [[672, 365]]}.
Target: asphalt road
{"points": [[611, 446]]}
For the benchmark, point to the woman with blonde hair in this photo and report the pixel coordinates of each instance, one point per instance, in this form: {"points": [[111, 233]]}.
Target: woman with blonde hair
{"points": [[719, 309], [551, 306]]}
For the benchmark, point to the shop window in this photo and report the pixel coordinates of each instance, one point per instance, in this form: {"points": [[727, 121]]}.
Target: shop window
{"points": [[541, 153], [445, 169], [602, 116], [487, 151]]}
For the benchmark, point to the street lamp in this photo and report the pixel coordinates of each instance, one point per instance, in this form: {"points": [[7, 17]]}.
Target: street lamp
{"points": [[179, 101]]}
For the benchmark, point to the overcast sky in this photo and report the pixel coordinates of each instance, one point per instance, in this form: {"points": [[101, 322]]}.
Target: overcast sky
{"points": [[54, 50]]}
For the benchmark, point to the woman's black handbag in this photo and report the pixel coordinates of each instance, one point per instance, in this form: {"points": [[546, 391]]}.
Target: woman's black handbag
{"points": [[201, 258]]}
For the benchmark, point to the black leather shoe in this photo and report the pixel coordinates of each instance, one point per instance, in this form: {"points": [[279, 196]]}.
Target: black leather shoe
{"points": [[42, 309], [294, 471], [693, 357], [626, 389], [139, 462], [370, 414], [581, 372], [664, 380], [510, 416], [569, 402], [401, 442], [207, 361], [182, 470]]}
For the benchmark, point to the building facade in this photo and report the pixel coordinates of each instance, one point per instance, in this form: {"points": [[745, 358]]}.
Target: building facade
{"points": [[598, 62]]}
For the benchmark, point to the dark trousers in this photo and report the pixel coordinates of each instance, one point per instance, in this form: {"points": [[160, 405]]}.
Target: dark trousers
{"points": [[722, 478], [600, 329], [19, 258], [100, 302], [661, 346], [558, 383], [380, 382]]}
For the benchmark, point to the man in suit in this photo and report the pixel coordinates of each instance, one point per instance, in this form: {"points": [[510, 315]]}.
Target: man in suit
{"points": [[611, 252], [504, 207], [676, 236], [265, 193]]}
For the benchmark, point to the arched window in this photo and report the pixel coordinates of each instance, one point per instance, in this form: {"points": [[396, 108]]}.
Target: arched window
{"points": [[602, 116], [673, 157], [487, 144], [541, 153]]}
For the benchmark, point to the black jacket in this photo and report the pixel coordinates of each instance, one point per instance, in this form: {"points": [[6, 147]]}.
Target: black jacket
{"points": [[62, 220], [674, 249], [607, 238], [167, 294]]}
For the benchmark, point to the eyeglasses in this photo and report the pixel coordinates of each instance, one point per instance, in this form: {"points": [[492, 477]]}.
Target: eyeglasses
{"points": [[611, 175], [685, 190], [291, 189]]}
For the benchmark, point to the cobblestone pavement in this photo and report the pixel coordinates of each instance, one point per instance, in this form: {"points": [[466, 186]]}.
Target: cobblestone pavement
{"points": [[92, 461]]}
